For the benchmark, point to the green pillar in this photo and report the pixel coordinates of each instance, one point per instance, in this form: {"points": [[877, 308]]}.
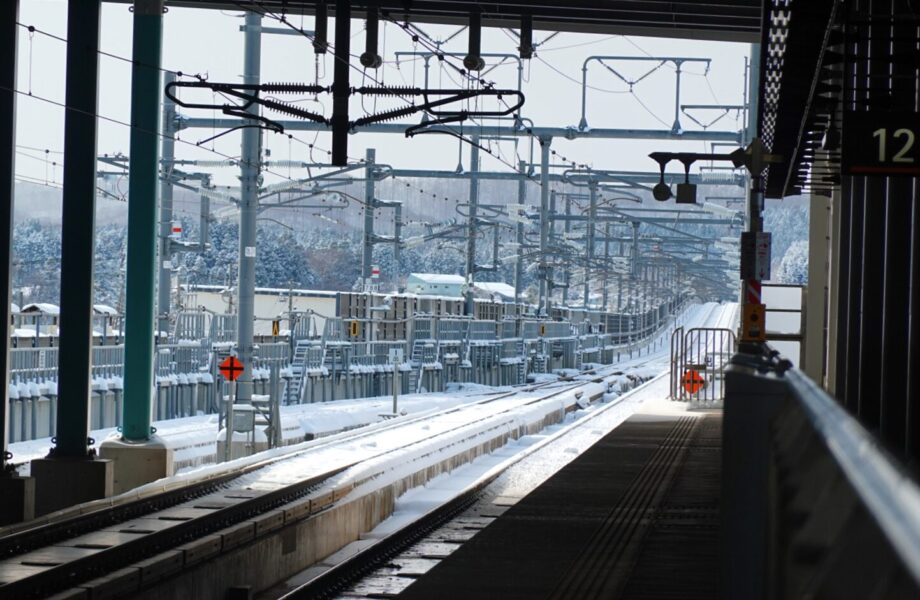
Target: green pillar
{"points": [[142, 219], [77, 231]]}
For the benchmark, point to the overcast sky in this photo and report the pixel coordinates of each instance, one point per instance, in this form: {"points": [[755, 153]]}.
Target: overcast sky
{"points": [[201, 41]]}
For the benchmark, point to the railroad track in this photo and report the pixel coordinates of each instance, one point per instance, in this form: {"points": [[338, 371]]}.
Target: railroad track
{"points": [[196, 511], [82, 544], [333, 582], [342, 577]]}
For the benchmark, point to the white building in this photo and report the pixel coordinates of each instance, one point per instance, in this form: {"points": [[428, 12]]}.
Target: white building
{"points": [[435, 284], [494, 290]]}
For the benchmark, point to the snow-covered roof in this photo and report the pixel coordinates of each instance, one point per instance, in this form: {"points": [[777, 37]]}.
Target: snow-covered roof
{"points": [[42, 307], [438, 278], [496, 287], [103, 309], [14, 308], [203, 287]]}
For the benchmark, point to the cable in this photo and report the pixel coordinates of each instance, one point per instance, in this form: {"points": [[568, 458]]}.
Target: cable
{"points": [[134, 127], [32, 29]]}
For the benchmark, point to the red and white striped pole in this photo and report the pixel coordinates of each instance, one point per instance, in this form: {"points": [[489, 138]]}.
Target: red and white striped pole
{"points": [[753, 311]]}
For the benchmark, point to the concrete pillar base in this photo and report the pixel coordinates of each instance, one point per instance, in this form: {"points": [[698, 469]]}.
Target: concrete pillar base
{"points": [[17, 499], [62, 482], [137, 463]]}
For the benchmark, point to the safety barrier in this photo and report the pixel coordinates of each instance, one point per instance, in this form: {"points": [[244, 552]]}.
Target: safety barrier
{"points": [[699, 358], [813, 506]]}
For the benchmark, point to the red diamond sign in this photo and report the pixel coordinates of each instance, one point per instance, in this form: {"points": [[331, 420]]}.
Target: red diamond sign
{"points": [[231, 368]]}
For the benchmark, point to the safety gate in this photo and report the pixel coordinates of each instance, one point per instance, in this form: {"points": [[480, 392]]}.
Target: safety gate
{"points": [[699, 358]]}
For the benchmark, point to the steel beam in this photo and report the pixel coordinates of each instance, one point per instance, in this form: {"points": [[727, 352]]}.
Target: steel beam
{"points": [[543, 267], [872, 352], [471, 228], [519, 238], [250, 168], [901, 196], [341, 89], [77, 231], [912, 410], [853, 193], [142, 220], [9, 36], [589, 245], [370, 158], [723, 20], [568, 133], [168, 145]]}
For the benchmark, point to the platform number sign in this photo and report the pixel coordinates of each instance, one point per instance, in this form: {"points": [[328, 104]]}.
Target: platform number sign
{"points": [[881, 143], [231, 368]]}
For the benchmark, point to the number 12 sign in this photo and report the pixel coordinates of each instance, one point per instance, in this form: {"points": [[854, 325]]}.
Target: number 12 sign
{"points": [[881, 143]]}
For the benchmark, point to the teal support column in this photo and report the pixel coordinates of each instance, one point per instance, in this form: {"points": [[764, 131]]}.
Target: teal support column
{"points": [[77, 231], [142, 220]]}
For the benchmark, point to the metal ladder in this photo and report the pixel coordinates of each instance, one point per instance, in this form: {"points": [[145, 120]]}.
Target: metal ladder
{"points": [[294, 389], [418, 358], [522, 364]]}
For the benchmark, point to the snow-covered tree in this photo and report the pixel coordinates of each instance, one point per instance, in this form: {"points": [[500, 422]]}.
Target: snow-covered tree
{"points": [[793, 268]]}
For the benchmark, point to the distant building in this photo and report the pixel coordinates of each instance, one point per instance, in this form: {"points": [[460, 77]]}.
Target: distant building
{"points": [[435, 284], [494, 290]]}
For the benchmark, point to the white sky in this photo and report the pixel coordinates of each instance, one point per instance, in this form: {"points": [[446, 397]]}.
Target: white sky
{"points": [[202, 41]]}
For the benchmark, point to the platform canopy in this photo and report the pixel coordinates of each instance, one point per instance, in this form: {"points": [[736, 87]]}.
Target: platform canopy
{"points": [[727, 20]]}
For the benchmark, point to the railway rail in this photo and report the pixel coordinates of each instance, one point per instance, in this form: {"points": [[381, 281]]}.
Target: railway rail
{"points": [[240, 501], [343, 576], [196, 511]]}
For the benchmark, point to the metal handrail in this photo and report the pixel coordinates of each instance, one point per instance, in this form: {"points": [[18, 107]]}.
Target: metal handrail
{"points": [[890, 495]]}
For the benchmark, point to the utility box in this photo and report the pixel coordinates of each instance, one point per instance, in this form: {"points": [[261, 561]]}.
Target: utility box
{"points": [[244, 418]]}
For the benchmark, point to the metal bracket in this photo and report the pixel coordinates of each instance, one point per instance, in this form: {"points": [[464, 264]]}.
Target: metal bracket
{"points": [[434, 99]]}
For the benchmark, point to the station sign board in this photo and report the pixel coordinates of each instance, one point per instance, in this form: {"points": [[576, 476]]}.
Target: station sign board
{"points": [[881, 143]]}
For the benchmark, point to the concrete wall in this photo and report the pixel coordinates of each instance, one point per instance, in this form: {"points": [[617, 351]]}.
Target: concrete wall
{"points": [[270, 306]]}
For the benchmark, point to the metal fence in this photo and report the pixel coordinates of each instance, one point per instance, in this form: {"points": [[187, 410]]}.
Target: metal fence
{"points": [[699, 358]]}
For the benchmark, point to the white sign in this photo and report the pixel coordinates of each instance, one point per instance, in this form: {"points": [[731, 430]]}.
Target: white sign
{"points": [[249, 252], [762, 244], [375, 272], [396, 356]]}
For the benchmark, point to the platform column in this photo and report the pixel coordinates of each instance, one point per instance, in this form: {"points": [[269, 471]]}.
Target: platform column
{"points": [[139, 457], [17, 494], [70, 475]]}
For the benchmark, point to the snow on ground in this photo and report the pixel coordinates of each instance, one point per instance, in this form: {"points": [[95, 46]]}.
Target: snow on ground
{"points": [[194, 438], [527, 462]]}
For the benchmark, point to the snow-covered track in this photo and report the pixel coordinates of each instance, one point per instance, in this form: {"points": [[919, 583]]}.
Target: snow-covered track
{"points": [[197, 509]]}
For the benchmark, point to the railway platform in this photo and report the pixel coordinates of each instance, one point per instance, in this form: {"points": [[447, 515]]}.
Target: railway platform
{"points": [[635, 516]]}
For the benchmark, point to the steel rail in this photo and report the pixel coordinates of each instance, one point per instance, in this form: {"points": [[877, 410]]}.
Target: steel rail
{"points": [[331, 583], [106, 560], [78, 521]]}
